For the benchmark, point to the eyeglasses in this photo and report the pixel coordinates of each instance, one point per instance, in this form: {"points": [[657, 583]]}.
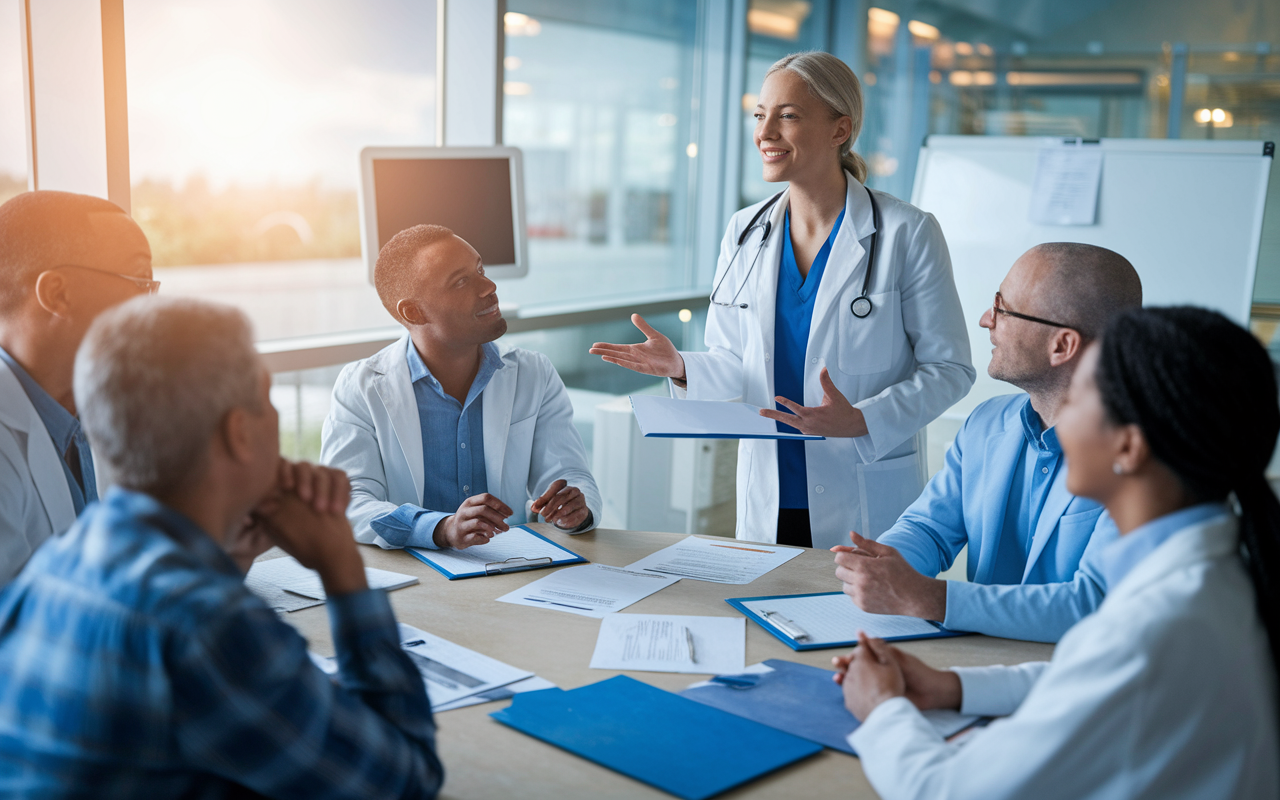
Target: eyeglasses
{"points": [[997, 309], [145, 285]]}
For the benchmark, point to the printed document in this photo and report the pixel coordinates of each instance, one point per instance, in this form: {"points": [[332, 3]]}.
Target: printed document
{"points": [[704, 419], [670, 643], [834, 618], [718, 560], [1064, 190], [451, 671], [278, 575], [592, 590], [517, 542]]}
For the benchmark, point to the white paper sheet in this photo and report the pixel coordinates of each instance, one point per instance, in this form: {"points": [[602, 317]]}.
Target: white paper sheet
{"points": [[591, 590], [533, 684], [288, 575], [515, 543], [716, 560], [834, 618], [1064, 190], [451, 671], [704, 419], [671, 643]]}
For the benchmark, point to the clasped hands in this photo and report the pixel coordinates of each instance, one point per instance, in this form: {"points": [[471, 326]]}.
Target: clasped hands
{"points": [[876, 671], [484, 516]]}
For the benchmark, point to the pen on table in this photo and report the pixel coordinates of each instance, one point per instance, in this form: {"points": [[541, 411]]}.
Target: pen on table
{"points": [[688, 637], [414, 643], [785, 625]]}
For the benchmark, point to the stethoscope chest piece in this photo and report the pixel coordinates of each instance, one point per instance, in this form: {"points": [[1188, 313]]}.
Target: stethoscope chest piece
{"points": [[861, 307]]}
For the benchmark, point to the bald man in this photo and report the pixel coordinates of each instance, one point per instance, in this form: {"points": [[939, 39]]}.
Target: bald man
{"points": [[1003, 490], [64, 258]]}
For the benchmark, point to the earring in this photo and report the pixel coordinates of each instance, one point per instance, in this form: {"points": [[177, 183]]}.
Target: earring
{"points": [[1117, 469]]}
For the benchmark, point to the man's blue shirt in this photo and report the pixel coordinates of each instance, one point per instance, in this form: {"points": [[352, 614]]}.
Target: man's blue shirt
{"points": [[1033, 562], [64, 429], [793, 316], [135, 663], [452, 452]]}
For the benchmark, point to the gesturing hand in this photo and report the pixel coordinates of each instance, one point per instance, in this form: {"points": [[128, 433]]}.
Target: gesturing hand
{"points": [[872, 677], [835, 416], [562, 505], [656, 355], [476, 521], [880, 581]]}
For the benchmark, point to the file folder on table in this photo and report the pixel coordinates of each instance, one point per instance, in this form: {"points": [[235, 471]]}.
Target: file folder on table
{"points": [[516, 550], [829, 619], [674, 744]]}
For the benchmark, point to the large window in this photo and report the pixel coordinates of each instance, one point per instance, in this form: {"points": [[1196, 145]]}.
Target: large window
{"points": [[599, 96], [13, 136], [246, 118]]}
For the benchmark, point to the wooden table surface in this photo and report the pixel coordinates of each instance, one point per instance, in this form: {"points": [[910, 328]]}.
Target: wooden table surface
{"points": [[485, 759]]}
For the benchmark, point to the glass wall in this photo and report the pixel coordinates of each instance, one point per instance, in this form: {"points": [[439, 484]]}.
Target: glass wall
{"points": [[246, 118], [600, 98], [13, 136]]}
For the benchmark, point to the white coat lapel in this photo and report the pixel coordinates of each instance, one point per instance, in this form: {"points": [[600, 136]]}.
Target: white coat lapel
{"points": [[395, 389], [499, 398], [845, 262], [1059, 499], [17, 413], [765, 292]]}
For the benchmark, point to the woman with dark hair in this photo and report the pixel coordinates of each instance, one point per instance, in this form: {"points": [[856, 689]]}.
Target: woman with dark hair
{"points": [[1169, 689]]}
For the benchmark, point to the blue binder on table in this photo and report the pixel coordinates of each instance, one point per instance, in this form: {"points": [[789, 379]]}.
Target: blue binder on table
{"points": [[656, 737], [825, 620], [798, 699], [517, 550]]}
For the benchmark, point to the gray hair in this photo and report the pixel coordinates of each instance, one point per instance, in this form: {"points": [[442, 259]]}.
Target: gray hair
{"points": [[830, 80], [154, 378]]}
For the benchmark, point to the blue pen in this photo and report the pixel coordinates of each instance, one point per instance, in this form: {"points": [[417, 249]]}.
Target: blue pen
{"points": [[737, 681]]}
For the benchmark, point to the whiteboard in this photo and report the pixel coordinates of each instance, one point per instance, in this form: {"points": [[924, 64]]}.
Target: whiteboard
{"points": [[1187, 214]]}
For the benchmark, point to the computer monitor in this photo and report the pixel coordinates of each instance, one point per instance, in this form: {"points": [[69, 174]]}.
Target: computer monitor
{"points": [[478, 192]]}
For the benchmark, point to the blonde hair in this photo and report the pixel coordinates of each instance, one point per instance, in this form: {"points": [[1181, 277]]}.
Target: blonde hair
{"points": [[830, 80]]}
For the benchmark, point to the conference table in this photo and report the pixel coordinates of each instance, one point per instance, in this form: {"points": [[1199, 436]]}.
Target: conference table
{"points": [[485, 759]]}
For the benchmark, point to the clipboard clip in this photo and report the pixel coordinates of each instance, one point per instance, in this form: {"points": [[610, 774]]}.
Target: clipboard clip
{"points": [[516, 564], [785, 625]]}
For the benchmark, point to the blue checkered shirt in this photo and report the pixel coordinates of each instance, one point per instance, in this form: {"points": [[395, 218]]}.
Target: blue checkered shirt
{"points": [[135, 663]]}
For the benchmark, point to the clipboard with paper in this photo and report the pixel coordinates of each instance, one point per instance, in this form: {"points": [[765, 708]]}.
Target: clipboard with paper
{"points": [[516, 550], [829, 619]]}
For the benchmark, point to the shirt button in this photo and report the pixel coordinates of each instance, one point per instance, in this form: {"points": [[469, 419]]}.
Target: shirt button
{"points": [[1045, 470], [464, 445], [766, 356], [466, 488], [813, 361], [819, 489]]}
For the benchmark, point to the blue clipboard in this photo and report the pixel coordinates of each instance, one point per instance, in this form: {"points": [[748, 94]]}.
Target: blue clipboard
{"points": [[777, 628], [498, 566]]}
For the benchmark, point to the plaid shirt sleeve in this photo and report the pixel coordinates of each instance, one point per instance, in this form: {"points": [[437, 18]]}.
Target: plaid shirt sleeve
{"points": [[251, 707]]}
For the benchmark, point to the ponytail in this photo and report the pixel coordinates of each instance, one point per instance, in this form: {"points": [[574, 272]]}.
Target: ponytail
{"points": [[854, 164]]}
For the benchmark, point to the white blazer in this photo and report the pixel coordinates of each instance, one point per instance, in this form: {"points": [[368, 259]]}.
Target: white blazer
{"points": [[1167, 691], [374, 434], [902, 366], [35, 501]]}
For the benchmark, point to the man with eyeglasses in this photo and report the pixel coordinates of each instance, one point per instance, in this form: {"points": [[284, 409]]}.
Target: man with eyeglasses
{"points": [[1002, 491], [64, 258]]}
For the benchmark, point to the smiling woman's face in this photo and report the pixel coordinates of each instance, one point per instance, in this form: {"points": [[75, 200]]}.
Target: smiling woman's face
{"points": [[795, 133]]}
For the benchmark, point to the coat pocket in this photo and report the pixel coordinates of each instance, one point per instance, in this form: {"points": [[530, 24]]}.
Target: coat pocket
{"points": [[886, 488], [866, 343]]}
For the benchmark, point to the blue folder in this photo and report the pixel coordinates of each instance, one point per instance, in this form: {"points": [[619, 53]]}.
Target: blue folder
{"points": [[681, 747], [795, 698], [739, 603], [566, 556]]}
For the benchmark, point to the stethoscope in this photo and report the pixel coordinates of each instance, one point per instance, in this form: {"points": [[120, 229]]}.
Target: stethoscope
{"points": [[861, 305]]}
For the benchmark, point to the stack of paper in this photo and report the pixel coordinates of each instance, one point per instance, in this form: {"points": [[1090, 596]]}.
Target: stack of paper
{"points": [[593, 590], [716, 560], [671, 643], [286, 585]]}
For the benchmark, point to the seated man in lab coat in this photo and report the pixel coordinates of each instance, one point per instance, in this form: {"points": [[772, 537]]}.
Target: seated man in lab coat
{"points": [[1002, 491], [446, 436], [64, 258]]}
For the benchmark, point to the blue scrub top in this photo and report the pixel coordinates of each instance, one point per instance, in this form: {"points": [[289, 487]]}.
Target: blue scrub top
{"points": [[793, 314]]}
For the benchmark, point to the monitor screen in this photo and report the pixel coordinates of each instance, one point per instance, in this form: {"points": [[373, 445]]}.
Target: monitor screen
{"points": [[470, 196]]}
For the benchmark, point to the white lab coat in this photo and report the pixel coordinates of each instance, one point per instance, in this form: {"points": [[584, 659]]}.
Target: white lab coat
{"points": [[1167, 691], [374, 434], [902, 366], [35, 501]]}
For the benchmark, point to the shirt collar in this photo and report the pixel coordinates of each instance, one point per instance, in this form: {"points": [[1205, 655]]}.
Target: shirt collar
{"points": [[1045, 440], [1121, 556], [177, 526], [490, 362], [61, 423]]}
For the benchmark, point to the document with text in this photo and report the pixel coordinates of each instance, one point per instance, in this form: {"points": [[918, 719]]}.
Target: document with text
{"points": [[671, 643], [592, 590], [717, 560]]}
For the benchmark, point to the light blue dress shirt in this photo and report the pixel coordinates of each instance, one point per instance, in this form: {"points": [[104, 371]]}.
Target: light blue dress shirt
{"points": [[1121, 556], [1033, 563], [64, 429], [452, 452], [793, 316]]}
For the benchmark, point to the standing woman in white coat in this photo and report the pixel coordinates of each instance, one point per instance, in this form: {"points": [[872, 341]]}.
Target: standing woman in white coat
{"points": [[835, 311], [1169, 689]]}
